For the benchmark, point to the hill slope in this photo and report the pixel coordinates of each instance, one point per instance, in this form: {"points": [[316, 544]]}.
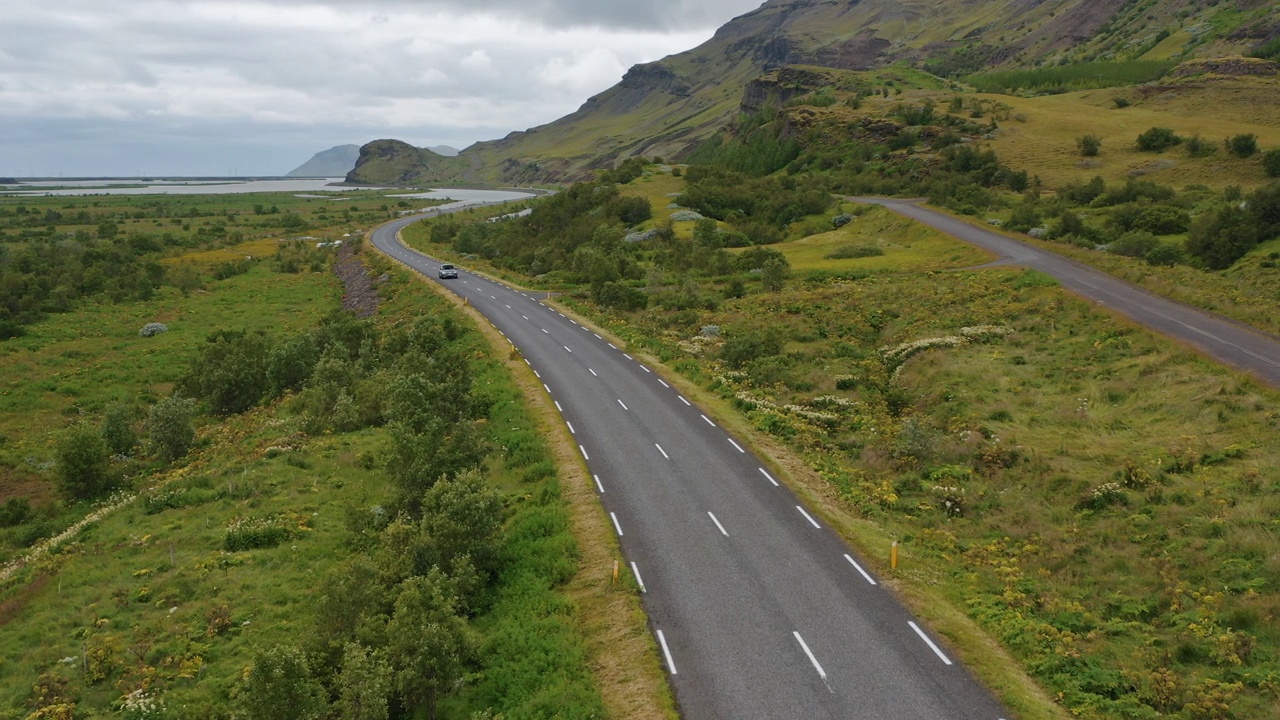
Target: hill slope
{"points": [[334, 162], [667, 107]]}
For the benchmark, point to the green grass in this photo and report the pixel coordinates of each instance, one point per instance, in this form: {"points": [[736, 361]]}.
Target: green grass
{"points": [[1064, 78]]}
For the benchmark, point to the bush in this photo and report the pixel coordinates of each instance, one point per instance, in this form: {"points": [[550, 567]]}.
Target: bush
{"points": [[1220, 238], [231, 373], [849, 252], [1134, 244], [83, 464], [1243, 145], [117, 429], [1271, 163], [153, 329], [742, 349], [1158, 139], [1089, 145], [620, 297], [14, 512], [1165, 255], [170, 432]]}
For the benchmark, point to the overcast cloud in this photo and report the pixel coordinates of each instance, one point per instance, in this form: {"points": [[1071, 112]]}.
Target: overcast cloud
{"points": [[255, 87]]}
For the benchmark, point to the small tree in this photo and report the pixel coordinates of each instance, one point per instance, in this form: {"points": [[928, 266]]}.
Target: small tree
{"points": [[117, 429], [364, 685], [1243, 145], [170, 432], [280, 685], [428, 642], [84, 469], [774, 273], [1090, 145]]}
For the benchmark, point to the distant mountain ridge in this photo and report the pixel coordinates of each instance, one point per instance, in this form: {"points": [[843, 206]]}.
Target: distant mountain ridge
{"points": [[667, 108]]}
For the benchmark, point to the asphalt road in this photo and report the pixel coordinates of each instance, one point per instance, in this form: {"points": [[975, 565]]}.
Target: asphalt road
{"points": [[760, 611], [1221, 339]]}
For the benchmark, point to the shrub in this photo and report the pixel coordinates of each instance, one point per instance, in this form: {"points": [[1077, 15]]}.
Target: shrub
{"points": [[170, 432], [231, 372], [1158, 139], [849, 252], [117, 429], [1165, 254], [253, 533], [14, 512], [1199, 147], [1089, 145], [1243, 145], [1220, 238], [153, 329], [620, 297], [281, 684], [83, 464], [1136, 244], [1271, 163], [1121, 102], [841, 220], [739, 350]]}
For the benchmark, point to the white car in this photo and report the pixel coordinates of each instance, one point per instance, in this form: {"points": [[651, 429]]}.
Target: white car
{"points": [[448, 271]]}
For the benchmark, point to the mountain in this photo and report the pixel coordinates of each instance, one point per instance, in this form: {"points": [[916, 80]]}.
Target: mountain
{"points": [[392, 162], [334, 162], [444, 150], [667, 108]]}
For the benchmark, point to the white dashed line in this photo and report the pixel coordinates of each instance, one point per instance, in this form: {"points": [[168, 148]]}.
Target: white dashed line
{"points": [[615, 347], [664, 452], [557, 402], [575, 432], [686, 402], [809, 517], [601, 487], [537, 374], [545, 331], [929, 642], [510, 308], [616, 526], [627, 356], [717, 522], [547, 388], [737, 446], [593, 372], [767, 475], [671, 664], [858, 567], [585, 456], [664, 383], [566, 347], [639, 581], [597, 336], [624, 405], [526, 317], [704, 417], [821, 673], [526, 362]]}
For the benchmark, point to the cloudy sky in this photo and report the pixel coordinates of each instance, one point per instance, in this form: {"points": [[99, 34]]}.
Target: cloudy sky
{"points": [[255, 87]]}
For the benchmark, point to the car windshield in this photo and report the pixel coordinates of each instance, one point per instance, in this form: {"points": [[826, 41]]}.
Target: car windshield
{"points": [[446, 267]]}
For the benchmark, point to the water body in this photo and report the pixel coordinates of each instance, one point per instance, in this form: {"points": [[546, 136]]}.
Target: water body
{"points": [[314, 187]]}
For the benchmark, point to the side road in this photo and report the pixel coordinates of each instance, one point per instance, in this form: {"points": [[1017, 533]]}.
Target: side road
{"points": [[1223, 340]]}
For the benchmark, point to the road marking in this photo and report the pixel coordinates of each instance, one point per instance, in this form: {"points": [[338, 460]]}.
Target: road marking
{"points": [[557, 402], [575, 322], [627, 356], [598, 485], [526, 317], [639, 582], [616, 526], [585, 456], [717, 522], [563, 315], [821, 673], [575, 432], [548, 388], [510, 308], [664, 452], [686, 402], [858, 567], [664, 383], [766, 474], [537, 374], [809, 517], [597, 336], [615, 347], [624, 405], [736, 445], [704, 417], [671, 664], [492, 297], [545, 331], [593, 372], [566, 347], [933, 647]]}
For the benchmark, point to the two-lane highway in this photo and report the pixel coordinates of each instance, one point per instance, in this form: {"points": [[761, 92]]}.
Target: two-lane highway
{"points": [[759, 610]]}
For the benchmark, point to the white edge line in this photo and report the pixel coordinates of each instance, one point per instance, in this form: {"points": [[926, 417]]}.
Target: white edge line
{"points": [[646, 369], [547, 387], [616, 526], [770, 477], [809, 517], [712, 424], [601, 489], [585, 456], [664, 384], [557, 402], [737, 446], [627, 356], [566, 347], [662, 640], [858, 567], [624, 405], [929, 642], [664, 452], [575, 432], [686, 402], [804, 646], [639, 582]]}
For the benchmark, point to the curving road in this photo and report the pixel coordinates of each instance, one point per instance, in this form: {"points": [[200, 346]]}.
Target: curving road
{"points": [[759, 610], [1223, 340]]}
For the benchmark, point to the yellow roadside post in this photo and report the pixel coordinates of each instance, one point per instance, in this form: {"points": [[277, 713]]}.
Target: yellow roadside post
{"points": [[615, 572], [893, 555]]}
